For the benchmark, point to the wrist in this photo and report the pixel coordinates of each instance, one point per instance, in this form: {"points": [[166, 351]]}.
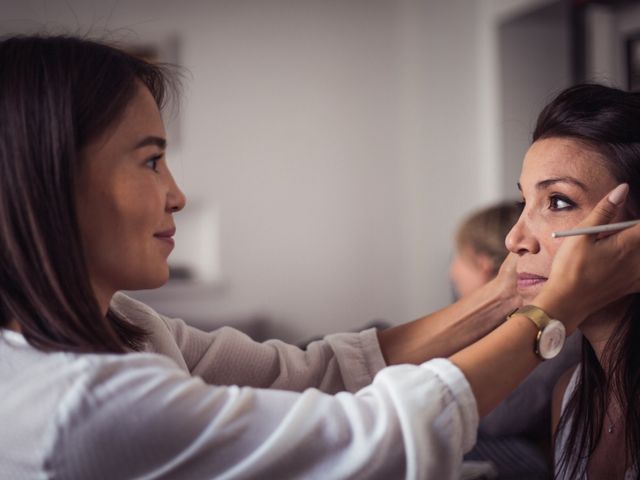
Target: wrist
{"points": [[551, 332], [568, 313]]}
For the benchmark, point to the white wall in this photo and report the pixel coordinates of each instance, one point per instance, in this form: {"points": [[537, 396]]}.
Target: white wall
{"points": [[535, 66], [339, 141], [496, 172]]}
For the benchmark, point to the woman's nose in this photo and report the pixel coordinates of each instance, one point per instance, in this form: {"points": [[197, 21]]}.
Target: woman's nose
{"points": [[520, 239], [176, 200]]}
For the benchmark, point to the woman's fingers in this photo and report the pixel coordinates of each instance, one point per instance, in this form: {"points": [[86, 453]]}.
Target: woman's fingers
{"points": [[607, 208], [590, 272], [507, 276]]}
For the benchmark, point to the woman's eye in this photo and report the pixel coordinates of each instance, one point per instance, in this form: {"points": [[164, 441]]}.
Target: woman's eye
{"points": [[153, 162], [560, 203]]}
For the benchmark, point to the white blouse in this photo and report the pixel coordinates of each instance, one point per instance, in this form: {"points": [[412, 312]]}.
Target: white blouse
{"points": [[179, 413]]}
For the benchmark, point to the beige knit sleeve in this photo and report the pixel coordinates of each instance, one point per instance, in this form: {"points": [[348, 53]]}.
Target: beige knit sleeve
{"points": [[228, 357], [346, 361]]}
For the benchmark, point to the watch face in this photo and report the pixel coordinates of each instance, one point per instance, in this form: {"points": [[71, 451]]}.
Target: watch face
{"points": [[551, 339]]}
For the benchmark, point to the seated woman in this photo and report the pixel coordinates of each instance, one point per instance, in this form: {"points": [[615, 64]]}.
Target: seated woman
{"points": [[586, 141]]}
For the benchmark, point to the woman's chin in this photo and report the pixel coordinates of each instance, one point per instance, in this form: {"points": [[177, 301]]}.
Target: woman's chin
{"points": [[529, 293], [160, 281]]}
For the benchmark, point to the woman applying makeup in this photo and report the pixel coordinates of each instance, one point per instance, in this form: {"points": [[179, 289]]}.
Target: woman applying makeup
{"points": [[586, 141], [96, 385]]}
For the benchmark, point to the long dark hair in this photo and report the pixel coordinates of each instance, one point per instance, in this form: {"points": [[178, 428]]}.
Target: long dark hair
{"points": [[58, 93], [608, 121]]}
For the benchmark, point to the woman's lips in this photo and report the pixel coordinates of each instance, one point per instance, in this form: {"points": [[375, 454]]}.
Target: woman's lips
{"points": [[167, 240], [166, 236], [527, 280]]}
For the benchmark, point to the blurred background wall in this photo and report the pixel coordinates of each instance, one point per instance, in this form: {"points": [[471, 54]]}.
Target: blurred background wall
{"points": [[328, 148]]}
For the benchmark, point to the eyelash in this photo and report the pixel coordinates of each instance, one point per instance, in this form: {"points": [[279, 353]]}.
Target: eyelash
{"points": [[555, 198], [154, 162], [552, 199]]}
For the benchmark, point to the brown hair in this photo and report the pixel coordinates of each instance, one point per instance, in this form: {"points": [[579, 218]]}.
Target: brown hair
{"points": [[58, 93]]}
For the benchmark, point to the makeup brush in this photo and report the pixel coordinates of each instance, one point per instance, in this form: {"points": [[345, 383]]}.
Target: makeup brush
{"points": [[610, 227]]}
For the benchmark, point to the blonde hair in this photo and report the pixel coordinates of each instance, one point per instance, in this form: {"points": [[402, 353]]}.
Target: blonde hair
{"points": [[484, 231]]}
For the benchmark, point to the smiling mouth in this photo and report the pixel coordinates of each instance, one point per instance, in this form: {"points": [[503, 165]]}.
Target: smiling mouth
{"points": [[527, 280]]}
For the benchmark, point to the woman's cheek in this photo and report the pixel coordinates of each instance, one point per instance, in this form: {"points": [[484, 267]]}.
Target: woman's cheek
{"points": [[554, 246]]}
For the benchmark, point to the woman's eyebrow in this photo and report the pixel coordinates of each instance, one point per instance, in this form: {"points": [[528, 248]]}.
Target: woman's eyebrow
{"points": [[151, 140], [551, 181]]}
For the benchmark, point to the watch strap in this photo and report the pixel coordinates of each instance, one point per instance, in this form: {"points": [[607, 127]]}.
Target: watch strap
{"points": [[538, 316]]}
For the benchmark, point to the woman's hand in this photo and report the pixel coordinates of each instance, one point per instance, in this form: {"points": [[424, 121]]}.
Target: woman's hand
{"points": [[506, 283], [590, 271], [454, 327]]}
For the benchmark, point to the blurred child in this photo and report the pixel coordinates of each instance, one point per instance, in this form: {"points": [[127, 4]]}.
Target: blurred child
{"points": [[480, 248]]}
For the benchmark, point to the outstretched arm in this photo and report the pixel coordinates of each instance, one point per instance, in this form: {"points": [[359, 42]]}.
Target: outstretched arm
{"points": [[456, 326]]}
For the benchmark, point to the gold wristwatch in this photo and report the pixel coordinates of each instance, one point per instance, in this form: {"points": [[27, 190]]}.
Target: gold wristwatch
{"points": [[551, 333]]}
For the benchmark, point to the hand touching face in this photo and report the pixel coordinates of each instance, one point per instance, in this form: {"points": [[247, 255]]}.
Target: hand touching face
{"points": [[562, 180]]}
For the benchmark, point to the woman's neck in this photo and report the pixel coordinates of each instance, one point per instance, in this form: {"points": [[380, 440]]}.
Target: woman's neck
{"points": [[599, 327], [103, 296]]}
